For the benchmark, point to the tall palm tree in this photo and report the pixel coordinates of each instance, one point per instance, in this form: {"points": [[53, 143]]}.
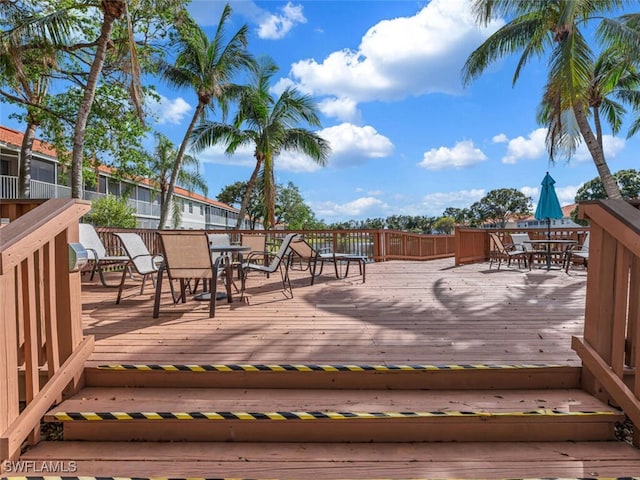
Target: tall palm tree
{"points": [[271, 126], [161, 165], [553, 26], [206, 66], [614, 80], [27, 58]]}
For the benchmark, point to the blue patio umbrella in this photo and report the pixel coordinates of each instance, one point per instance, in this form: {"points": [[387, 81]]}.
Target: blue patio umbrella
{"points": [[548, 205]]}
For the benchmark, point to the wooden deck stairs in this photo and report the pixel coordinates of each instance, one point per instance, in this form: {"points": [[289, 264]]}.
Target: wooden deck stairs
{"points": [[336, 422]]}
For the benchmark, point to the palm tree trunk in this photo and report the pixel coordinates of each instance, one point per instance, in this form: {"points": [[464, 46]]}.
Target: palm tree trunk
{"points": [[26, 152], [164, 210], [247, 195], [269, 190], [597, 153], [110, 9]]}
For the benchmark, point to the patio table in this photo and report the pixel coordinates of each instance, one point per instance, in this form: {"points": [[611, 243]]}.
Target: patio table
{"points": [[225, 251], [549, 251]]}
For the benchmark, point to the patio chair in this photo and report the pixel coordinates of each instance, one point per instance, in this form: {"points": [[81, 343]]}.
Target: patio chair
{"points": [[186, 257], [501, 252], [140, 260], [577, 252], [522, 241], [279, 262], [97, 253], [310, 259], [257, 242]]}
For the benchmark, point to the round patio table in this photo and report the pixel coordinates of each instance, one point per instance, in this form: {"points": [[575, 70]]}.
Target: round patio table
{"points": [[548, 252], [225, 251]]}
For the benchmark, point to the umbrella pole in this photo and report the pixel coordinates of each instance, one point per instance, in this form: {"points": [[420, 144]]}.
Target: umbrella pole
{"points": [[548, 244]]}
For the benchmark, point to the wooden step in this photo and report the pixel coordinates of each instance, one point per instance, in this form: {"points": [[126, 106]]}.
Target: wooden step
{"points": [[330, 461], [279, 415], [461, 376]]}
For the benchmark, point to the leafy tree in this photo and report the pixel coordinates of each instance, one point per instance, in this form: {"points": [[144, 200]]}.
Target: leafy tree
{"points": [[106, 46], [461, 216], [25, 67], [160, 166], [445, 225], [270, 125], [628, 181], [234, 194], [554, 27], [291, 209], [205, 66], [498, 206], [110, 211]]}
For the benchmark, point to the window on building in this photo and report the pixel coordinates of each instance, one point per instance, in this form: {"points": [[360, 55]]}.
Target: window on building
{"points": [[201, 210], [102, 184], [190, 207], [4, 167], [144, 194], [43, 171], [114, 188]]}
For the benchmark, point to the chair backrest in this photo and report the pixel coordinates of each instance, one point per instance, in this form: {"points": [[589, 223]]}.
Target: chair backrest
{"points": [[91, 242], [138, 252], [257, 242], [521, 241], [219, 240], [282, 251], [585, 244], [499, 246], [186, 254], [303, 249]]}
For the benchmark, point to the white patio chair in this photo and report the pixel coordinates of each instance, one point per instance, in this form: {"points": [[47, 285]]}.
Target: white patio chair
{"points": [[97, 253], [140, 259], [577, 252]]}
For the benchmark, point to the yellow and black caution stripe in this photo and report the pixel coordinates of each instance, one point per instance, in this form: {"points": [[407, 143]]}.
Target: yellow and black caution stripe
{"points": [[316, 368], [97, 416]]}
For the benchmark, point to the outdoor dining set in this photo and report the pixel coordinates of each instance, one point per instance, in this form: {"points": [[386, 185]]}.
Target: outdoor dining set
{"points": [[191, 258]]}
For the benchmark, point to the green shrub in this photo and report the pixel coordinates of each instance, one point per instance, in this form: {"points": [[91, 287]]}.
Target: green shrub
{"points": [[110, 211]]}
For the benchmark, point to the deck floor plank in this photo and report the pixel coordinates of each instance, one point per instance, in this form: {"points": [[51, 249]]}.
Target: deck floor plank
{"points": [[406, 312]]}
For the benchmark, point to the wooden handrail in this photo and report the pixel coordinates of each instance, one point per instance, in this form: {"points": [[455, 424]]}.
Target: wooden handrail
{"points": [[40, 318], [610, 346]]}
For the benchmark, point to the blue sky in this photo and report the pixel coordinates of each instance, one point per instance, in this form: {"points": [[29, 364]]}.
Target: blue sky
{"points": [[407, 138]]}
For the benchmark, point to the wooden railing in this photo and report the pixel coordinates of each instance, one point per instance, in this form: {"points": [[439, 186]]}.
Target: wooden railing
{"points": [[611, 343], [472, 244], [41, 342], [380, 245]]}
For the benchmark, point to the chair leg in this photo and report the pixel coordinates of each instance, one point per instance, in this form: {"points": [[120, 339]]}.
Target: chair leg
{"points": [[121, 287], [156, 303]]}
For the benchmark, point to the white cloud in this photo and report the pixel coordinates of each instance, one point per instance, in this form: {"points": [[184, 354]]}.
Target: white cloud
{"points": [[398, 58], [434, 204], [215, 155], [520, 148], [350, 145], [276, 26], [612, 146], [357, 208], [567, 195], [500, 138], [463, 154], [354, 145], [344, 109], [534, 147], [167, 110], [532, 192]]}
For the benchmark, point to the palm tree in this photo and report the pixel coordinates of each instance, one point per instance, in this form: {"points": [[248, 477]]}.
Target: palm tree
{"points": [[206, 66], [270, 125], [550, 26], [161, 165], [27, 58]]}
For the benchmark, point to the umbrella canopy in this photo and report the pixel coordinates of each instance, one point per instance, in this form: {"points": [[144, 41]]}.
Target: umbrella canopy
{"points": [[548, 205]]}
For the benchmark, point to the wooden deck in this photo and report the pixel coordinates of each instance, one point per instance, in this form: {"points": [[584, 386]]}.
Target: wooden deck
{"points": [[405, 313]]}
